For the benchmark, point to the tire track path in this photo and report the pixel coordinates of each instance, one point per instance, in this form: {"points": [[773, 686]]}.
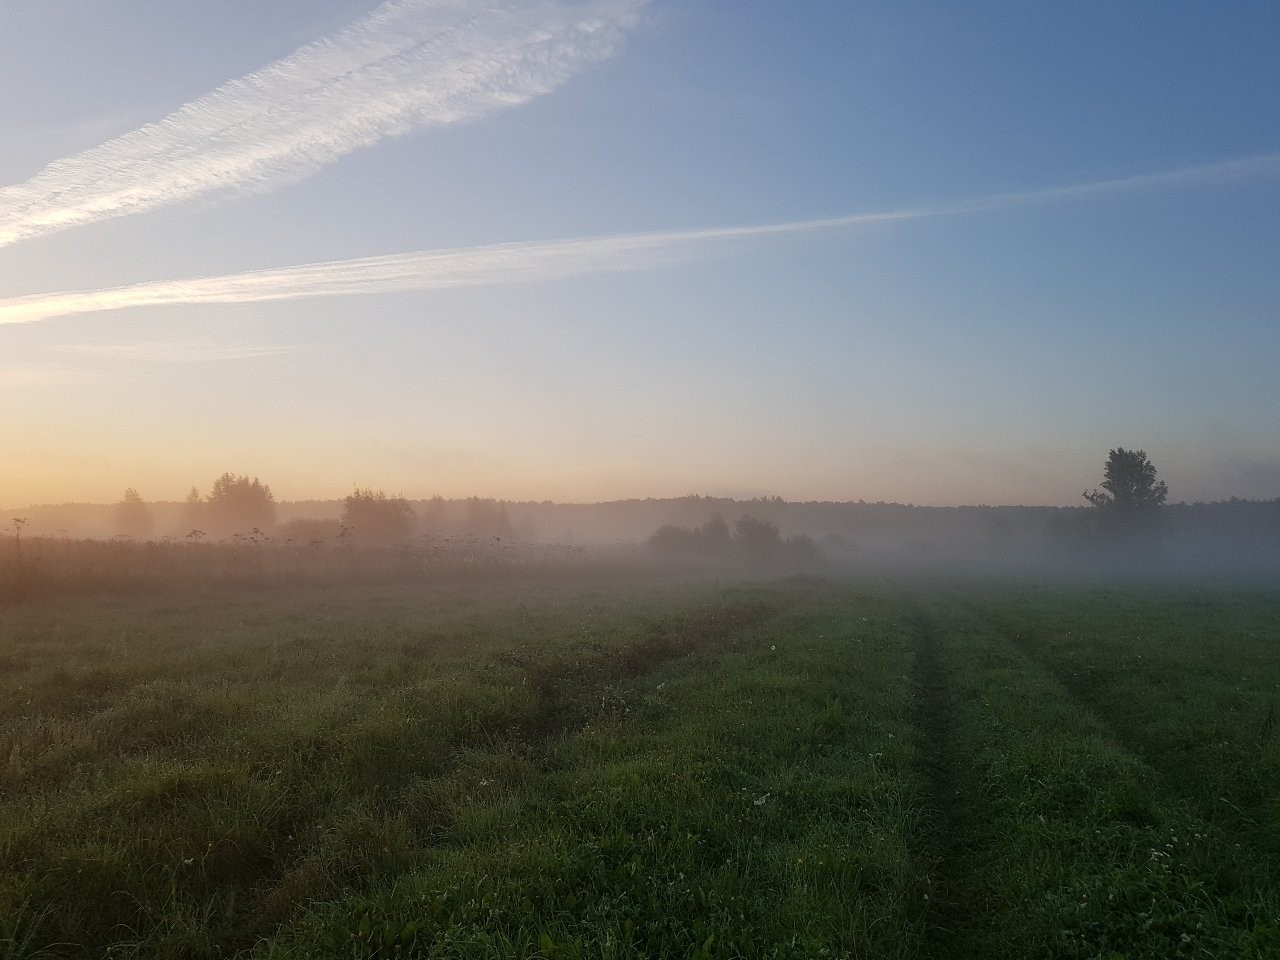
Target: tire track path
{"points": [[947, 814], [1020, 640], [1243, 819]]}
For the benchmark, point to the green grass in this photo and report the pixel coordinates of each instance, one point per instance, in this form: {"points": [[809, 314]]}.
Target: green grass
{"points": [[518, 768], [1076, 845]]}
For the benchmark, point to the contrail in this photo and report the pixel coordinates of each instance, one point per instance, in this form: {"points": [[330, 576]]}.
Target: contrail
{"points": [[557, 259], [423, 270], [409, 64]]}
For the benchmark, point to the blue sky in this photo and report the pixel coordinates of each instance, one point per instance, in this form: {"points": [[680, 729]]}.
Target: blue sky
{"points": [[972, 347]]}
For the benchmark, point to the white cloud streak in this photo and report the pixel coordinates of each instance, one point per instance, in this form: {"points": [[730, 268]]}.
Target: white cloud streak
{"points": [[552, 260], [409, 64], [1264, 166], [423, 270]]}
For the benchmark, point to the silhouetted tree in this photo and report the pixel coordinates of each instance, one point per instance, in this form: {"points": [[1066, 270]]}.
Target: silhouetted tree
{"points": [[133, 516], [375, 519], [715, 535], [710, 539], [802, 552], [192, 511], [237, 505], [757, 539], [1131, 497]]}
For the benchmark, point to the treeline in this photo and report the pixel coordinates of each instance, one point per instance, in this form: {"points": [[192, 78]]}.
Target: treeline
{"points": [[234, 534], [752, 541], [243, 508], [236, 506]]}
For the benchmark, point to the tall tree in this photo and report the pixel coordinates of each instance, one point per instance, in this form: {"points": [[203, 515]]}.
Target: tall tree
{"points": [[192, 512], [715, 535], [758, 540], [1131, 496], [376, 519], [239, 505], [133, 516]]}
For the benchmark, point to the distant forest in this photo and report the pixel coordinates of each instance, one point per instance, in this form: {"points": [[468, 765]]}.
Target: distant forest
{"points": [[1245, 529]]}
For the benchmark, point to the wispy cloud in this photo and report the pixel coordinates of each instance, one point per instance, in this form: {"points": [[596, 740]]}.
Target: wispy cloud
{"points": [[408, 64], [423, 270], [551, 260], [161, 351], [1264, 166]]}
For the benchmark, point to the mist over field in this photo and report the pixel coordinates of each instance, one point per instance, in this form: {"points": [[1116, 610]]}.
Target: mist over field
{"points": [[369, 533], [722, 741], [639, 480], [378, 727]]}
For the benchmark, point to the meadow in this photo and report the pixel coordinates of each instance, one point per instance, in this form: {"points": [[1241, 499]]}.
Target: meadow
{"points": [[606, 764]]}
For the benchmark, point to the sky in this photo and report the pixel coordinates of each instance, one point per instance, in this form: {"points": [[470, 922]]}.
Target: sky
{"points": [[583, 250]]}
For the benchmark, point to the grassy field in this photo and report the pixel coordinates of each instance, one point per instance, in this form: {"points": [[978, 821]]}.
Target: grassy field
{"points": [[608, 768]]}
